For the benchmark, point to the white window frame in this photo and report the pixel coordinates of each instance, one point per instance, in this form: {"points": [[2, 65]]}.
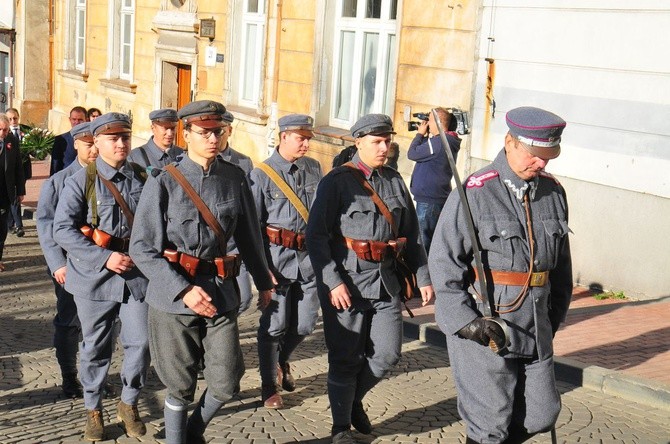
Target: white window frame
{"points": [[385, 61], [257, 54], [79, 35], [118, 11]]}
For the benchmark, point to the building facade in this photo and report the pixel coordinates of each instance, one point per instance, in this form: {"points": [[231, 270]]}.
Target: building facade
{"points": [[336, 60]]}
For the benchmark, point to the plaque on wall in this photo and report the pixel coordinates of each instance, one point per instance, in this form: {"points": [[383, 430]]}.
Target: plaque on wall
{"points": [[207, 28]]}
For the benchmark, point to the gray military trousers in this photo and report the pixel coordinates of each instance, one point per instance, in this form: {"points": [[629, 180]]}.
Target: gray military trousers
{"points": [[179, 341], [494, 391], [98, 319]]}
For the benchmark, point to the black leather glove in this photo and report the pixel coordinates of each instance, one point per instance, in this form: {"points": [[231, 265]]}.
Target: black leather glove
{"points": [[482, 331]]}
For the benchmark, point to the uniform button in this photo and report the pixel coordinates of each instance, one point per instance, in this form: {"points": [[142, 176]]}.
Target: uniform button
{"points": [[123, 227], [99, 203], [503, 232], [537, 299], [536, 262], [560, 231]]}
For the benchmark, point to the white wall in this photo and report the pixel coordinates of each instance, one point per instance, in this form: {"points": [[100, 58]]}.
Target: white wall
{"points": [[604, 68]]}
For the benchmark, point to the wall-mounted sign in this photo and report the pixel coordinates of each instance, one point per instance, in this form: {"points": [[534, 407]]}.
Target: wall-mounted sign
{"points": [[207, 28]]}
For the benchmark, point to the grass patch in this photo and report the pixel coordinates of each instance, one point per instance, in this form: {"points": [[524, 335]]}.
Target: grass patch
{"points": [[610, 295]]}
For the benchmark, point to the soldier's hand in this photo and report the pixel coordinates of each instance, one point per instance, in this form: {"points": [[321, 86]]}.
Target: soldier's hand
{"points": [[199, 301], [264, 298], [275, 282], [482, 331], [119, 263], [59, 275], [427, 293], [340, 297]]}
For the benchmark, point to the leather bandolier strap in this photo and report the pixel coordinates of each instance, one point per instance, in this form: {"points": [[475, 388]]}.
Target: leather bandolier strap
{"points": [[106, 240], [286, 238]]}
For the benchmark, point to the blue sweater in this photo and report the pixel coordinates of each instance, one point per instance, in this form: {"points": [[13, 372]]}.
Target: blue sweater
{"points": [[431, 178]]}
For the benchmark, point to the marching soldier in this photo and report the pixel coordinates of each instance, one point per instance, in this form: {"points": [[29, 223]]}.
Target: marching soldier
{"points": [[283, 187], [160, 150], [521, 215], [93, 222], [66, 322], [187, 214], [354, 244]]}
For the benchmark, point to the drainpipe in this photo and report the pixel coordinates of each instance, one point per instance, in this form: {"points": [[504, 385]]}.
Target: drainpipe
{"points": [[274, 107]]}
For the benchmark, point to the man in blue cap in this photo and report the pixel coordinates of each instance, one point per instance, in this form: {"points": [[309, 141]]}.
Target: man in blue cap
{"points": [[93, 221], [66, 323], [284, 187], [354, 247], [521, 215], [160, 150], [181, 245], [243, 161]]}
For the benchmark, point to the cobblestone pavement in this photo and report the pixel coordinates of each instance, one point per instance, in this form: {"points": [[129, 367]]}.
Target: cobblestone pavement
{"points": [[416, 403]]}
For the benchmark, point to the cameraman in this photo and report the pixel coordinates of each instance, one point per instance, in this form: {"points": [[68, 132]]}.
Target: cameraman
{"points": [[431, 179]]}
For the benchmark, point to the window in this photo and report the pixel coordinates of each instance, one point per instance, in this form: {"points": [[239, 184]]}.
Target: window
{"points": [[79, 34], [121, 38], [252, 50], [364, 53]]}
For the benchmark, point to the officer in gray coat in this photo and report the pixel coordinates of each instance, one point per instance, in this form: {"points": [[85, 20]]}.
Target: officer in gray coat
{"points": [[360, 292], [66, 322], [243, 161], [192, 295], [93, 226], [294, 309], [521, 216], [160, 150]]}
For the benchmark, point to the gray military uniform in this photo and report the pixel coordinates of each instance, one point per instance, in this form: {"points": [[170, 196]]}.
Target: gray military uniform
{"points": [[363, 341], [495, 195], [243, 279], [293, 312], [99, 293], [66, 322], [155, 156]]}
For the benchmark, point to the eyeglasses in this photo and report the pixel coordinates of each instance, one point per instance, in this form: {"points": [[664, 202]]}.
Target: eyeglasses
{"points": [[206, 134]]}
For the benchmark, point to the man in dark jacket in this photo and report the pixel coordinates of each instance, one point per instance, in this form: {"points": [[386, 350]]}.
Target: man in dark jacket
{"points": [[12, 182]]}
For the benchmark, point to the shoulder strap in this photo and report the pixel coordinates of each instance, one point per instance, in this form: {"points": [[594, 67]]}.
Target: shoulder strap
{"points": [[358, 174], [130, 217], [286, 189], [89, 191], [144, 155], [205, 212]]}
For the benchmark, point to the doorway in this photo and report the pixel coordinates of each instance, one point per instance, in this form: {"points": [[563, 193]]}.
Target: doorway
{"points": [[176, 92]]}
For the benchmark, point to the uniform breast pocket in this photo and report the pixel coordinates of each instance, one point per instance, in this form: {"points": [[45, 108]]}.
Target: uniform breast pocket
{"points": [[502, 240], [555, 231], [107, 219], [183, 224], [278, 205], [227, 212], [396, 206], [360, 220]]}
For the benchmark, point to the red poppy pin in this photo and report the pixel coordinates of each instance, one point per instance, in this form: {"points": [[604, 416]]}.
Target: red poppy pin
{"points": [[9, 146]]}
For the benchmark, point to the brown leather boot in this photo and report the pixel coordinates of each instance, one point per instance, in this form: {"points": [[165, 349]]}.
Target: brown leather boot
{"points": [[130, 417], [271, 399], [95, 428], [287, 380]]}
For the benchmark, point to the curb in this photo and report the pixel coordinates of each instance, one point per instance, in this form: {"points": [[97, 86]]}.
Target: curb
{"points": [[611, 382]]}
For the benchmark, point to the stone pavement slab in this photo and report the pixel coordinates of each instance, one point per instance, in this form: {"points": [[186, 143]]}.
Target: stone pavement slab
{"points": [[416, 403]]}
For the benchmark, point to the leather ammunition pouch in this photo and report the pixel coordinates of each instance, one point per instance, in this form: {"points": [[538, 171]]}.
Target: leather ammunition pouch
{"points": [[225, 267], [106, 240], [376, 251], [286, 238]]}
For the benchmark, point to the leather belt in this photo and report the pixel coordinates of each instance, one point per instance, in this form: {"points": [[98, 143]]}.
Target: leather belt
{"points": [[376, 251], [106, 240], [286, 238], [517, 278], [225, 267]]}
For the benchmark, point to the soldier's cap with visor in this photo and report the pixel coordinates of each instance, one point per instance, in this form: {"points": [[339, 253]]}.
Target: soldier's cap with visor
{"points": [[82, 132], [228, 117], [297, 123], [111, 123], [372, 124], [203, 113], [539, 130], [163, 115]]}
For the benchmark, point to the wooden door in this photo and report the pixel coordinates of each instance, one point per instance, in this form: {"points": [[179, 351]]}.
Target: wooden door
{"points": [[183, 97]]}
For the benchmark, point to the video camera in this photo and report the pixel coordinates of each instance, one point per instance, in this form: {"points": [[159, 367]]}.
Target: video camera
{"points": [[460, 121], [413, 126]]}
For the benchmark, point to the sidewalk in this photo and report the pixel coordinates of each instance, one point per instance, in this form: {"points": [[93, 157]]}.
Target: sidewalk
{"points": [[618, 347]]}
